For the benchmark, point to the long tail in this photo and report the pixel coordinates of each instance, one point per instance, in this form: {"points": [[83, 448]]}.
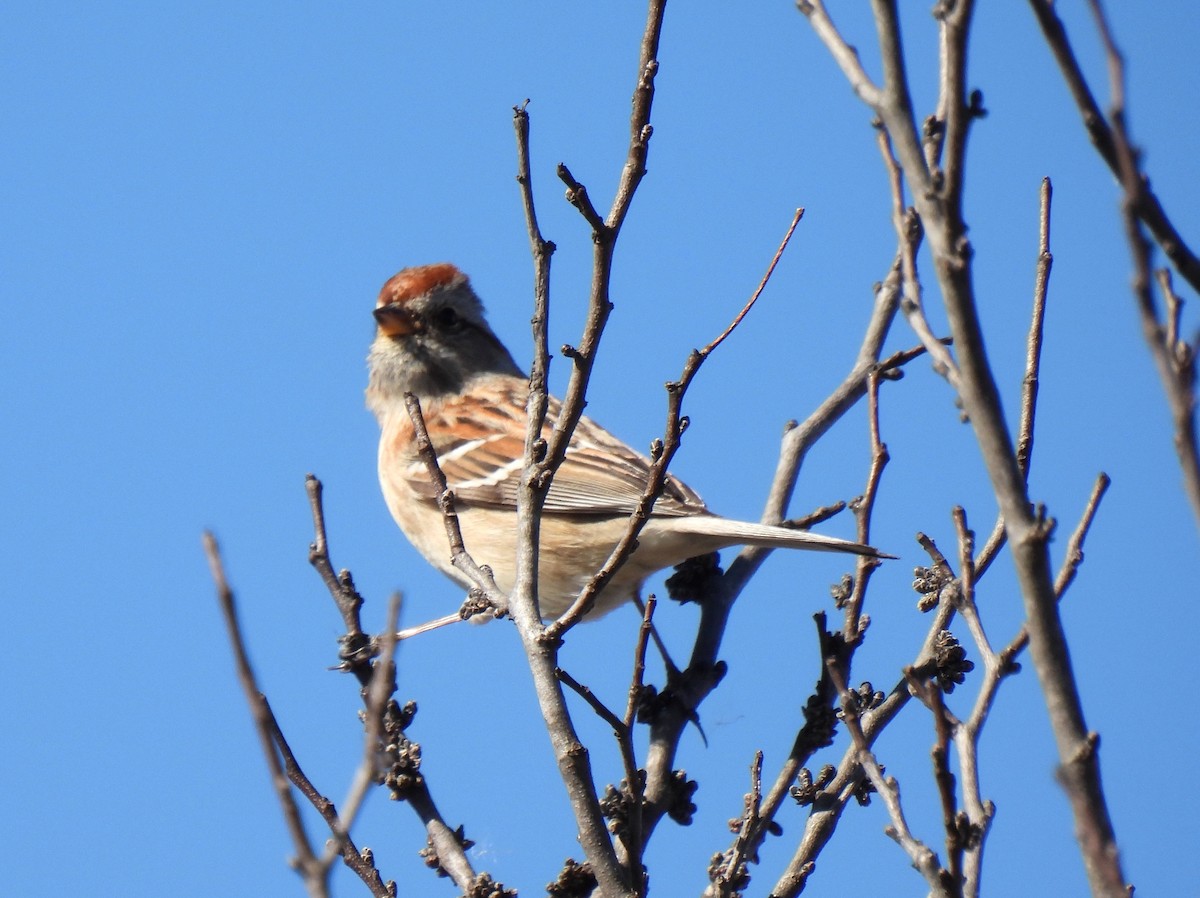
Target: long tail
{"points": [[745, 533]]}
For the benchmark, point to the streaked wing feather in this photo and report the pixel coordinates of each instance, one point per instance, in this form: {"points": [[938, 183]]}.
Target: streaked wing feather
{"points": [[480, 454]]}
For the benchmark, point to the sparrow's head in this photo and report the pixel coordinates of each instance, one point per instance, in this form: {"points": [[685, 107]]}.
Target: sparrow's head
{"points": [[431, 338]]}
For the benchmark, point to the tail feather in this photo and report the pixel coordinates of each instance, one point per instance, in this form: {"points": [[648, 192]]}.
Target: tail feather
{"points": [[744, 533]]}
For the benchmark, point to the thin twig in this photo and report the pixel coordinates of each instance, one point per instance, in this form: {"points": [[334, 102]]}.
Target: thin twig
{"points": [[815, 734], [846, 782], [996, 667], [577, 196], [1179, 381], [542, 459], [377, 693], [703, 671], [1033, 360], [922, 856], [340, 585], [967, 830], [956, 109], [633, 776], [843, 54], [953, 821], [798, 439], [585, 693], [908, 232], [731, 873], [532, 495], [1174, 313], [604, 234], [637, 682], [864, 507], [361, 862], [481, 577], [1028, 531], [665, 452], [762, 285], [622, 732], [316, 877], [889, 368], [357, 652], [1033, 346], [1074, 556], [1100, 131], [966, 582]]}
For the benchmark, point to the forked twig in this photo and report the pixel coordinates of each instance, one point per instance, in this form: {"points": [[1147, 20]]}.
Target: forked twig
{"points": [[357, 652], [922, 856], [937, 198], [543, 457], [665, 450], [377, 694], [281, 761]]}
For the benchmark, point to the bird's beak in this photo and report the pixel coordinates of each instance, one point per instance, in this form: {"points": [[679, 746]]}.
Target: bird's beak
{"points": [[396, 321]]}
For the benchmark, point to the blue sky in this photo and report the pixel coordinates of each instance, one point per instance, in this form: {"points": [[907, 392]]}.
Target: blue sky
{"points": [[201, 203]]}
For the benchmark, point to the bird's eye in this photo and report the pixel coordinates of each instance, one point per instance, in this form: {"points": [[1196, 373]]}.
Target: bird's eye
{"points": [[446, 318]]}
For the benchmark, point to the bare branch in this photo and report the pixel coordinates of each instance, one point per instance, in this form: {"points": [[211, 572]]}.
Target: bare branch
{"points": [[909, 234], [585, 693], [637, 682], [622, 731], [1028, 532], [283, 764], [846, 782], [1176, 371], [703, 672], [1100, 131], [922, 856], [816, 733], [843, 54], [315, 875], [633, 776], [664, 453], [639, 122], [361, 862], [340, 585], [954, 822], [996, 668], [729, 876], [1033, 346], [762, 285], [377, 693], [1029, 383], [864, 506], [542, 461], [895, 111], [956, 110], [797, 440], [357, 653], [577, 196], [529, 501], [1174, 312], [604, 239]]}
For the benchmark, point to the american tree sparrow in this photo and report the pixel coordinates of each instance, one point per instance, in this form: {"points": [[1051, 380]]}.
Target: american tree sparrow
{"points": [[432, 340]]}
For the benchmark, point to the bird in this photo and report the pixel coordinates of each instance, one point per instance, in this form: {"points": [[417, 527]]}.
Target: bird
{"points": [[433, 341]]}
